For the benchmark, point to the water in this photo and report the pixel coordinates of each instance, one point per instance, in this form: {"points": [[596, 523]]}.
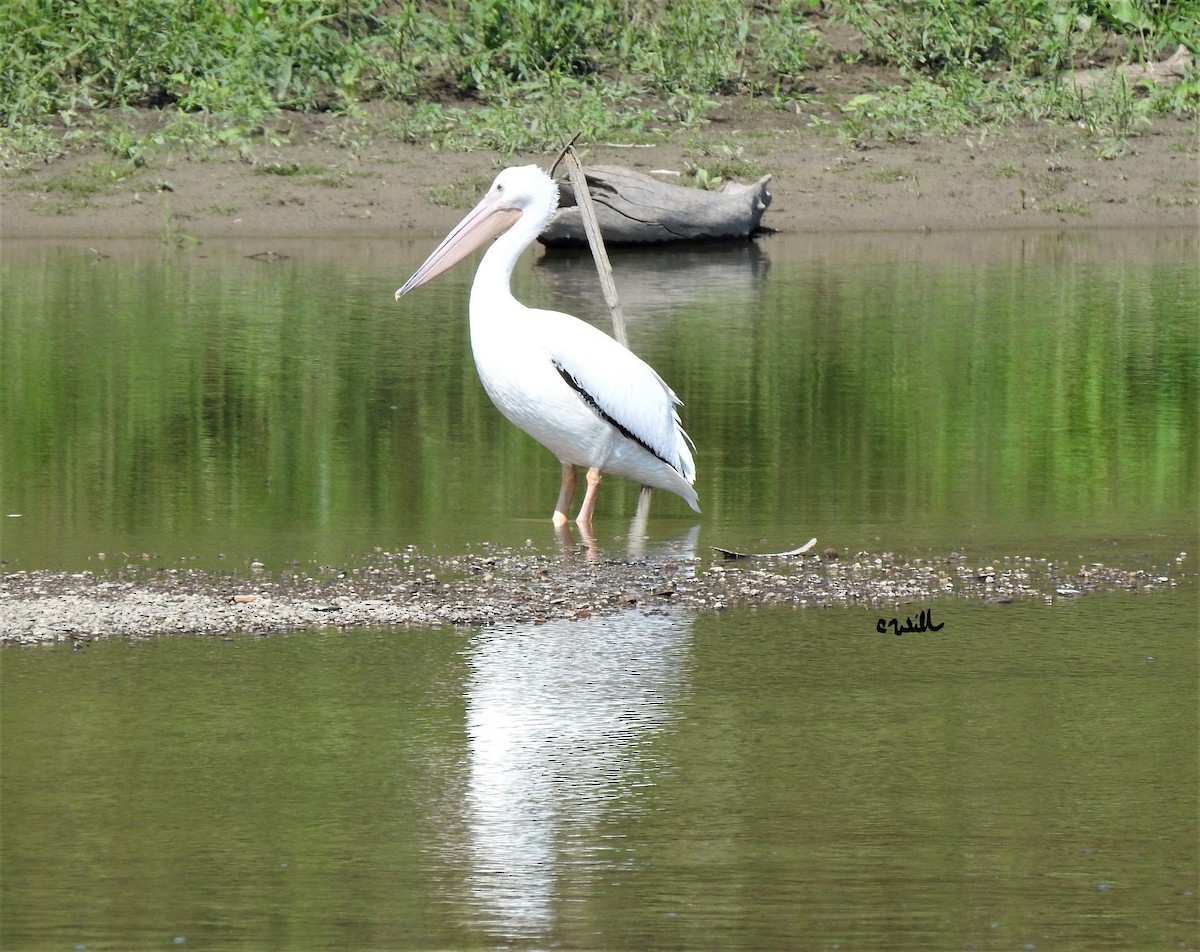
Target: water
{"points": [[774, 779], [782, 779], [202, 406]]}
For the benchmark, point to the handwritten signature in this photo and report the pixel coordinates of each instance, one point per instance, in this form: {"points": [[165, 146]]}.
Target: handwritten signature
{"points": [[924, 623]]}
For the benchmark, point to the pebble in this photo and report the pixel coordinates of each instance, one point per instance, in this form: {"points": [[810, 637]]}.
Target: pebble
{"points": [[414, 588]]}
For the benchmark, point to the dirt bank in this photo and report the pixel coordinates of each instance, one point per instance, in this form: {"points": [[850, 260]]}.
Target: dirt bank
{"points": [[1012, 177]]}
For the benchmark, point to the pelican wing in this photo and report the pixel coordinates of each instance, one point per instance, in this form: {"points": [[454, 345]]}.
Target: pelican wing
{"points": [[621, 387]]}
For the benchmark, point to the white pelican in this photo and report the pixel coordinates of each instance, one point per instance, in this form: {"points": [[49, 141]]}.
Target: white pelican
{"points": [[570, 386]]}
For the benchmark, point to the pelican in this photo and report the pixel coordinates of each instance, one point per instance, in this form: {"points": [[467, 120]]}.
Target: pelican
{"points": [[587, 399]]}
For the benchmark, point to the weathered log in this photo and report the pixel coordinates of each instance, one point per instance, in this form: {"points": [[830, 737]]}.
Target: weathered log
{"points": [[633, 208]]}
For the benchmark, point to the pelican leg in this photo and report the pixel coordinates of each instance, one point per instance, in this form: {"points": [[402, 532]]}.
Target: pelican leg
{"points": [[589, 499], [565, 495]]}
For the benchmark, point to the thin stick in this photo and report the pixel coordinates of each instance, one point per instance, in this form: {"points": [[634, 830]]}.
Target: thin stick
{"points": [[561, 152], [592, 227]]}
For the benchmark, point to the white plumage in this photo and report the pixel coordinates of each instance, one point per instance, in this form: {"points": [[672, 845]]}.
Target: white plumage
{"points": [[570, 386]]}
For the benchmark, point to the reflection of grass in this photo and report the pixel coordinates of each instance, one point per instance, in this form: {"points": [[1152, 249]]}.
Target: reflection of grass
{"points": [[1015, 415]]}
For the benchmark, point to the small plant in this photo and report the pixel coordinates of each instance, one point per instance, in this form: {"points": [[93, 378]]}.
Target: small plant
{"points": [[1067, 208], [703, 178], [288, 169], [171, 234], [1149, 26], [886, 175], [720, 165], [952, 36], [88, 181], [121, 141]]}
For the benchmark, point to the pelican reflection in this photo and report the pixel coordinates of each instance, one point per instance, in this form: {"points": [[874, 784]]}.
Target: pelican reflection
{"points": [[561, 720]]}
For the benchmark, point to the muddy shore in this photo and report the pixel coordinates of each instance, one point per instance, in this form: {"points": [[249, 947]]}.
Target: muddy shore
{"points": [[493, 586], [1017, 177]]}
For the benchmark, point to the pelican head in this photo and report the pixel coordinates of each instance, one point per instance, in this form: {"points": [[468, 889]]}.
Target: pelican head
{"points": [[518, 192]]}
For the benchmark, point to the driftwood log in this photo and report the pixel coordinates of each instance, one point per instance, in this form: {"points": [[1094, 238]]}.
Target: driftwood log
{"points": [[633, 208]]}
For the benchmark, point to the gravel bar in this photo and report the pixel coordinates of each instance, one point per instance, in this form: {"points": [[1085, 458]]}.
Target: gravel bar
{"points": [[511, 586]]}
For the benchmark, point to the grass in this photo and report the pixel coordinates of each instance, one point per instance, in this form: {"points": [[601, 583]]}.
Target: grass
{"points": [[172, 235], [516, 74], [288, 169], [1067, 208], [1176, 201], [709, 166], [886, 175], [67, 207], [92, 180]]}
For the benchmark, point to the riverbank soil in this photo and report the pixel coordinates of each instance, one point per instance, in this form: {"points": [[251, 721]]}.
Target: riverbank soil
{"points": [[304, 183]]}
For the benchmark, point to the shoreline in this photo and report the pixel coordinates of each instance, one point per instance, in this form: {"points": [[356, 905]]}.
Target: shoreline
{"points": [[504, 586], [1021, 177]]}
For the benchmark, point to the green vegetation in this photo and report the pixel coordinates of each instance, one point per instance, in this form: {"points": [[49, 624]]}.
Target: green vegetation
{"points": [[510, 74]]}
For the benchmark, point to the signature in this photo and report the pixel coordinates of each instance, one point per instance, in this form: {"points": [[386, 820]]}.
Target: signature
{"points": [[924, 623]]}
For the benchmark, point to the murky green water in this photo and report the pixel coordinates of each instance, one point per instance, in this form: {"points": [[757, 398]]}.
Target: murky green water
{"points": [[1037, 392], [1026, 777]]}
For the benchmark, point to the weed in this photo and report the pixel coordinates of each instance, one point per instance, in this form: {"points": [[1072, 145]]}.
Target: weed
{"points": [[1176, 201], [95, 178], [121, 141], [513, 74], [974, 62], [720, 165], [1067, 208], [947, 37], [289, 169], [1149, 26], [171, 233], [66, 208], [886, 175]]}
